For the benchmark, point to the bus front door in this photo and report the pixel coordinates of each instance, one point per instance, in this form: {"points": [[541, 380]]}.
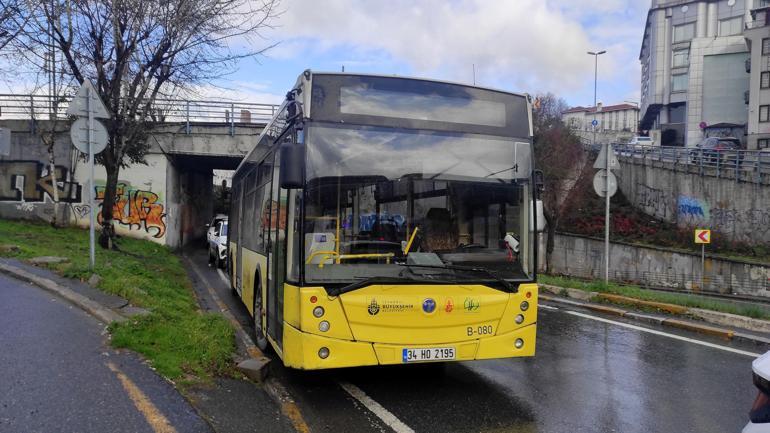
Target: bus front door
{"points": [[276, 257]]}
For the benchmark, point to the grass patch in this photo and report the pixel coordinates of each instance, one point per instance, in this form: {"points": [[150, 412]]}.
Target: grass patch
{"points": [[176, 337], [637, 292]]}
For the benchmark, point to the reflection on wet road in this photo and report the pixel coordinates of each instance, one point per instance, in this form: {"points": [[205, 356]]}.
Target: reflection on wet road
{"points": [[587, 376]]}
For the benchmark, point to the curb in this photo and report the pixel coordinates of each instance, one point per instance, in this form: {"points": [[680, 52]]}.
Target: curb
{"points": [[89, 306], [675, 323]]}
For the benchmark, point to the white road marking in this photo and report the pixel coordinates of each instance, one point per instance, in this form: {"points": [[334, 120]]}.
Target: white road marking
{"points": [[547, 307], [223, 277], [664, 334], [385, 415]]}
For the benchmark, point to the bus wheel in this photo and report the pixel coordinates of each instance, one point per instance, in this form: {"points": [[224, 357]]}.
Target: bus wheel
{"points": [[259, 333]]}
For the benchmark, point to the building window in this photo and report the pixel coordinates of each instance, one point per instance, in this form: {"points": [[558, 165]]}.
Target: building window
{"points": [[681, 58], [764, 113], [684, 32], [731, 26], [766, 46], [763, 143], [679, 83], [764, 80]]}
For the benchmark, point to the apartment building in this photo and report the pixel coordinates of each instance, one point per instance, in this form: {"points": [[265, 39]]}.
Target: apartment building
{"points": [[617, 118], [694, 81], [757, 36]]}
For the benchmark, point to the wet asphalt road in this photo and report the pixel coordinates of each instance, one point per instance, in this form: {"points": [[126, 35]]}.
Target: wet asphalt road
{"points": [[587, 376], [58, 373]]}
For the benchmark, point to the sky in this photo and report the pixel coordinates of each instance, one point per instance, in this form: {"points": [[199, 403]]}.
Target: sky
{"points": [[531, 46], [524, 46]]}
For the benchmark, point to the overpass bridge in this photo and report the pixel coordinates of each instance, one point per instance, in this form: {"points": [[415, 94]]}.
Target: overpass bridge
{"points": [[167, 200]]}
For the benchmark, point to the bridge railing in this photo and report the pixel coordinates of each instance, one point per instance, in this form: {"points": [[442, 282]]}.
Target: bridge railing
{"points": [[186, 111], [748, 165]]}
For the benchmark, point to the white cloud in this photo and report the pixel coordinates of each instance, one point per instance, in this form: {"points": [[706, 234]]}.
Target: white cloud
{"points": [[521, 45], [532, 43]]}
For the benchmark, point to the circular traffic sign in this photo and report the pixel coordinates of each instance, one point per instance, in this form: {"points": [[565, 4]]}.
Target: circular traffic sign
{"points": [[594, 122], [599, 183], [79, 135]]}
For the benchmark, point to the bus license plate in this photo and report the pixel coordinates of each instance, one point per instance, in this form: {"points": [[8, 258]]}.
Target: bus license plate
{"points": [[428, 354]]}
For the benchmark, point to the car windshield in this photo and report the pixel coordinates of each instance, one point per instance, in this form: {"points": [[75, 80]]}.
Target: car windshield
{"points": [[384, 203]]}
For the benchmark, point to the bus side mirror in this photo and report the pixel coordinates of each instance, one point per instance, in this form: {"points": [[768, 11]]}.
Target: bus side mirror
{"points": [[537, 214], [292, 174]]}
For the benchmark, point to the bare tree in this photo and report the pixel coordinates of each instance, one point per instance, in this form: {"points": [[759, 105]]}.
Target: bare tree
{"points": [[561, 157], [135, 51]]}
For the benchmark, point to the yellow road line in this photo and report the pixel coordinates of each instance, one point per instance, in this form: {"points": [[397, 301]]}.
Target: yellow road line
{"points": [[288, 407], [154, 417]]}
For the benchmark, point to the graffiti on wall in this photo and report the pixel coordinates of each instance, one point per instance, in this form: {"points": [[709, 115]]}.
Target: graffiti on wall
{"points": [[31, 182], [652, 200], [756, 221], [691, 210], [136, 209]]}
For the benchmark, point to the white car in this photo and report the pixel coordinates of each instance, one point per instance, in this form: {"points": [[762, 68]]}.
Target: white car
{"points": [[641, 141], [759, 416], [218, 245], [211, 226]]}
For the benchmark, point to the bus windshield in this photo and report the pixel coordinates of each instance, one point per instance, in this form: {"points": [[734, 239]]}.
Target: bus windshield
{"points": [[423, 205]]}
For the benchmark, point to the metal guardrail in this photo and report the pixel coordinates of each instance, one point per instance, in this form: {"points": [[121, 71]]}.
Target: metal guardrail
{"points": [[744, 165], [188, 112]]}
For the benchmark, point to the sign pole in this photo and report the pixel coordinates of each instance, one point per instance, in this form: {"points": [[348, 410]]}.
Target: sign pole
{"points": [[92, 189], [702, 265], [607, 217]]}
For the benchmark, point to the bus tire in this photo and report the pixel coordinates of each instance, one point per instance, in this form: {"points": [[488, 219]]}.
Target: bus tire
{"points": [[231, 274], [259, 335]]}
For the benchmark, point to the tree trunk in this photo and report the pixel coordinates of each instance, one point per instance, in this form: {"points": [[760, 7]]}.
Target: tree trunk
{"points": [[549, 242], [50, 139], [107, 236]]}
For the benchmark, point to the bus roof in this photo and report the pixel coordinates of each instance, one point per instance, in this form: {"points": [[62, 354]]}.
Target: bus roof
{"points": [[351, 74]]}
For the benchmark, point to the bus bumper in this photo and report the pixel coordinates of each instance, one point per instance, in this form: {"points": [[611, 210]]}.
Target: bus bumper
{"points": [[304, 351]]}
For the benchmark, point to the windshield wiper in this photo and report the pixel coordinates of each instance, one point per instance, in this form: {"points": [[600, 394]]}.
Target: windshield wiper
{"points": [[365, 281], [505, 283]]}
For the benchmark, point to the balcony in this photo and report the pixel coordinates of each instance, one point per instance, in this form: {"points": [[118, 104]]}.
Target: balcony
{"points": [[755, 24]]}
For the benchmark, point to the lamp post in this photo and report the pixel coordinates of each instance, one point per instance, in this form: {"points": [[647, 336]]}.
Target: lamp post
{"points": [[607, 154]]}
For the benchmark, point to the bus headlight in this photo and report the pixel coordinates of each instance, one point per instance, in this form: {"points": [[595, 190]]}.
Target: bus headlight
{"points": [[519, 343], [318, 311], [323, 352], [524, 306], [519, 319], [323, 326]]}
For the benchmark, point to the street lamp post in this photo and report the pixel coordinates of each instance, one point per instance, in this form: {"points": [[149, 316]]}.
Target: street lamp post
{"points": [[606, 176]]}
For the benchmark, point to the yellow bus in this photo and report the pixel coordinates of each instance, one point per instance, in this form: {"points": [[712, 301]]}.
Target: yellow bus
{"points": [[388, 220]]}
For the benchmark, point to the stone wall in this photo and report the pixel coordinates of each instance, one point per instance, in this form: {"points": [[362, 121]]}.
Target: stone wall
{"points": [[658, 267]]}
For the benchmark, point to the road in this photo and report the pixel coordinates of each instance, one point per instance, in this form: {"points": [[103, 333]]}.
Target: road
{"points": [[58, 373], [590, 374]]}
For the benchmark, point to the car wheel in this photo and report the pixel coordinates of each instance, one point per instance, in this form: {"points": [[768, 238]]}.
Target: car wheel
{"points": [[259, 334]]}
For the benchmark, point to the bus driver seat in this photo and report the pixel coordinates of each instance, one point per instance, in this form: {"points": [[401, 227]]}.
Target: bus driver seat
{"points": [[439, 234]]}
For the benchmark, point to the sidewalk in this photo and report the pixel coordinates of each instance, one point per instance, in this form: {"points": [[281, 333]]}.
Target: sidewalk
{"points": [[724, 325], [223, 403]]}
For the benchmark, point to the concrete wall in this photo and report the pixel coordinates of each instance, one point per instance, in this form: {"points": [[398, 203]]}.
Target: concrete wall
{"points": [[736, 211], [658, 267], [140, 209], [26, 185], [190, 201]]}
